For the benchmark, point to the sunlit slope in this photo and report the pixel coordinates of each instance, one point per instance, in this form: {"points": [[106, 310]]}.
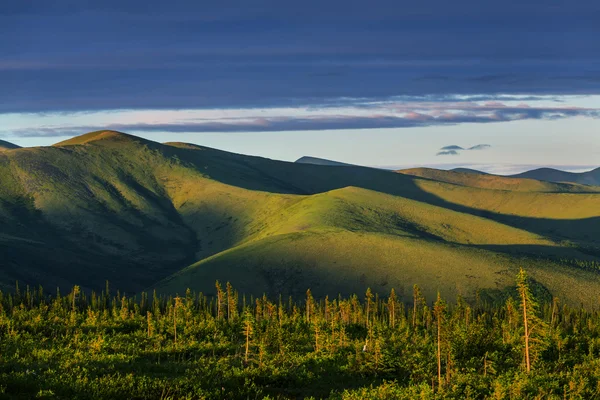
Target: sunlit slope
{"points": [[348, 262], [347, 239], [561, 215], [488, 181], [361, 210]]}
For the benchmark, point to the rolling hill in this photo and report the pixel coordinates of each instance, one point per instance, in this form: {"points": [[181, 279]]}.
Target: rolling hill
{"points": [[4, 145], [145, 215]]}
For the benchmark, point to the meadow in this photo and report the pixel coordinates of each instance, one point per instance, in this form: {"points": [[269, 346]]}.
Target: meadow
{"points": [[366, 346]]}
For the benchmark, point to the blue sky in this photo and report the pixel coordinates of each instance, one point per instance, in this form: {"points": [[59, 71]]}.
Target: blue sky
{"points": [[375, 83]]}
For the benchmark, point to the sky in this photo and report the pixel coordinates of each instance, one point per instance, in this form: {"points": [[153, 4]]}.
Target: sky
{"points": [[500, 86]]}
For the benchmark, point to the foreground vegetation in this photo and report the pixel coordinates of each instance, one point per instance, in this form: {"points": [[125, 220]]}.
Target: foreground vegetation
{"points": [[88, 346]]}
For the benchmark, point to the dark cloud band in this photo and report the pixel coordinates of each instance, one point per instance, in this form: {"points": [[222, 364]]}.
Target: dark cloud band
{"points": [[327, 121]]}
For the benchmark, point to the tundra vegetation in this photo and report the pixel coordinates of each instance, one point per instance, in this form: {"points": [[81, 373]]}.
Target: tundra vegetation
{"points": [[84, 345]]}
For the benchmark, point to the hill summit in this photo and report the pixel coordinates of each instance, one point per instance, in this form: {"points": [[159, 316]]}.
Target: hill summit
{"points": [[101, 136]]}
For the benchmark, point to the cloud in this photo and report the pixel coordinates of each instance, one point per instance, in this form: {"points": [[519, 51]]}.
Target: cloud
{"points": [[382, 115], [480, 147], [448, 153], [452, 147], [454, 150]]}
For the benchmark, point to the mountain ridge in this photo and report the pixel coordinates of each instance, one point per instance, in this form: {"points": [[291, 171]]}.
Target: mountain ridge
{"points": [[591, 177], [111, 206]]}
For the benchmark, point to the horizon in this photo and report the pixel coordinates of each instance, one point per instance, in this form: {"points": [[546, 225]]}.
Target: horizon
{"points": [[497, 169]]}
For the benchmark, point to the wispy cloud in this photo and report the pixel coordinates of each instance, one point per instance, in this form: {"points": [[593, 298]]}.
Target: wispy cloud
{"points": [[480, 147], [396, 114], [452, 147], [447, 153], [454, 150]]}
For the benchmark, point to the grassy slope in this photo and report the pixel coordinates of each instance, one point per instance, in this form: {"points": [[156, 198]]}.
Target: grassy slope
{"points": [[347, 239], [132, 211], [348, 262]]}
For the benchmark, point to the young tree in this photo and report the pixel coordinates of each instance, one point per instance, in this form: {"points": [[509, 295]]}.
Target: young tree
{"points": [[232, 301], [417, 301], [439, 311], [248, 323], [176, 306], [368, 303], [392, 301], [220, 297], [310, 301], [531, 322]]}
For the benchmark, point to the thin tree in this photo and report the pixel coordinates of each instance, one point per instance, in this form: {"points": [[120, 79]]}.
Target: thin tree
{"points": [[531, 323], [438, 309], [417, 300], [247, 333], [220, 295], [392, 300], [309, 304], [232, 301], [369, 302], [175, 307]]}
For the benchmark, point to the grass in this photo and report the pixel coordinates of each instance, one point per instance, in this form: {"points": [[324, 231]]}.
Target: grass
{"points": [[108, 205]]}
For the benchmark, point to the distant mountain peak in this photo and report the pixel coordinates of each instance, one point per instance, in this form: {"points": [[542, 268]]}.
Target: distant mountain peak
{"points": [[4, 145], [98, 136], [555, 175]]}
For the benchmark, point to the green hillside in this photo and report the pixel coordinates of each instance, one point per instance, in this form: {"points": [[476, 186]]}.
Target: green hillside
{"points": [[111, 206]]}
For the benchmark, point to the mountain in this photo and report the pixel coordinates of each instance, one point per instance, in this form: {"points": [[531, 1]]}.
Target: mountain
{"points": [[482, 180], [322, 161], [555, 175], [145, 215], [4, 145]]}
